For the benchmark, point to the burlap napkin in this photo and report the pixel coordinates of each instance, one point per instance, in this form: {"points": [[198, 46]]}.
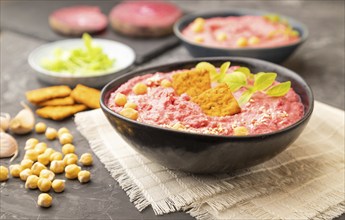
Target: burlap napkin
{"points": [[305, 181]]}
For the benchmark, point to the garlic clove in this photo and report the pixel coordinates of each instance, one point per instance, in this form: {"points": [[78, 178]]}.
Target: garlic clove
{"points": [[5, 121], [8, 146], [23, 122]]}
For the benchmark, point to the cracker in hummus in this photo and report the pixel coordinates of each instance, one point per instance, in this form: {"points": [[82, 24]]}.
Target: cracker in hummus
{"points": [[87, 96], [59, 112], [58, 101], [193, 82], [40, 95], [217, 101]]}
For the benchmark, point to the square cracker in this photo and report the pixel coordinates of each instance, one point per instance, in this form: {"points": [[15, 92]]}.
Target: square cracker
{"points": [[59, 112], [40, 95], [58, 101], [193, 82], [217, 101], [87, 96]]}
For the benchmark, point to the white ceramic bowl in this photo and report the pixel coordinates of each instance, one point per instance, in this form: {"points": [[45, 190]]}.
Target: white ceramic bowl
{"points": [[123, 54]]}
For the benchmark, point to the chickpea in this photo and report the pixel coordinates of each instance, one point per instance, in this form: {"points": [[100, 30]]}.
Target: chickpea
{"points": [[37, 168], [221, 36], [57, 166], [166, 83], [51, 133], [30, 143], [41, 147], [44, 200], [31, 155], [40, 127], [47, 174], [253, 40], [49, 152], [15, 170], [43, 159], [84, 176], [86, 159], [70, 158], [139, 89], [66, 138], [120, 99], [131, 105], [198, 25], [242, 42], [44, 184], [62, 131], [71, 171], [240, 131], [31, 182], [129, 113], [26, 163], [3, 174], [58, 185], [68, 148], [198, 39], [25, 174], [56, 156]]}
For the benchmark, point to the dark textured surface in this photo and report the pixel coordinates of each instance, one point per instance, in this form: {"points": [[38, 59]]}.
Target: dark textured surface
{"points": [[320, 61]]}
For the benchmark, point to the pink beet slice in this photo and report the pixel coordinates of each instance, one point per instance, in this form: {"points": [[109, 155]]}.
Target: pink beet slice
{"points": [[77, 20], [144, 18]]}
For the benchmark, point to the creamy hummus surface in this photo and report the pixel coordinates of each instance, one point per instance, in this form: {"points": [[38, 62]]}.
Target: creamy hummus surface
{"points": [[240, 32], [163, 107]]}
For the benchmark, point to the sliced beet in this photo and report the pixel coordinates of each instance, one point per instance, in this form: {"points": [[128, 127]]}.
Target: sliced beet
{"points": [[77, 20], [144, 18]]}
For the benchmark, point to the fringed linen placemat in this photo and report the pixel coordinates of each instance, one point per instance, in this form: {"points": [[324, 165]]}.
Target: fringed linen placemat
{"points": [[306, 181]]}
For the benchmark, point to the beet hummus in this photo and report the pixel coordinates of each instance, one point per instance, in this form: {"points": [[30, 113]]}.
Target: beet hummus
{"points": [[241, 32], [152, 99]]}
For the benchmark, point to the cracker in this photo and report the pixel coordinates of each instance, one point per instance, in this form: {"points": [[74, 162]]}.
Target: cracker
{"points": [[193, 82], [217, 101], [40, 95], [87, 96], [58, 101], [59, 112]]}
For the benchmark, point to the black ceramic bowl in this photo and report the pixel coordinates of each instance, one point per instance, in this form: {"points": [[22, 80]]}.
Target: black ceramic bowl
{"points": [[273, 54], [201, 153]]}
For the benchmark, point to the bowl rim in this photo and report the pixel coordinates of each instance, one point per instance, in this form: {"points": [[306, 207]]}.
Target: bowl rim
{"points": [[34, 65], [243, 11], [107, 89]]}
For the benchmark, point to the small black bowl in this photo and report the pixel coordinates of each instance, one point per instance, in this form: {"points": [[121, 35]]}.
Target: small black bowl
{"points": [[202, 153], [273, 54]]}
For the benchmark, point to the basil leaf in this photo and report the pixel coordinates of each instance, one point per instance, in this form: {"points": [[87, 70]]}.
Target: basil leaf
{"points": [[279, 90], [223, 70], [263, 80], [245, 97], [235, 80], [246, 71]]}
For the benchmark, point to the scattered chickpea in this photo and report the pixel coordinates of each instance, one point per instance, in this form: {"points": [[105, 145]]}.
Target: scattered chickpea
{"points": [[26, 163], [49, 152], [198, 25], [40, 127], [62, 131], [58, 185], [84, 176], [139, 89], [57, 166], [40, 148], [51, 133], [240, 131], [31, 155], [70, 158], [71, 171], [198, 39], [30, 143], [131, 105], [66, 138], [86, 159], [241, 42], [47, 174], [56, 156], [129, 113], [44, 200], [68, 148], [37, 168], [31, 182], [3, 174], [44, 184], [221, 36], [253, 40], [120, 99], [43, 159], [25, 174], [15, 170], [165, 83]]}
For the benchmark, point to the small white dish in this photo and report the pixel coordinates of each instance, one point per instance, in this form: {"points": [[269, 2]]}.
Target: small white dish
{"points": [[123, 54]]}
